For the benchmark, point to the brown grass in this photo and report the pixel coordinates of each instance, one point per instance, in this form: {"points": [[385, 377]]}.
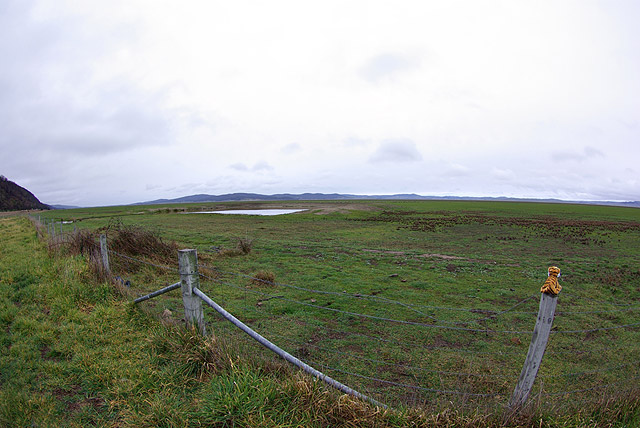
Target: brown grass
{"points": [[198, 356], [245, 245], [137, 241], [263, 277]]}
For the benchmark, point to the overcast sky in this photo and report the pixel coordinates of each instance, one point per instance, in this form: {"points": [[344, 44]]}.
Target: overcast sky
{"points": [[115, 102]]}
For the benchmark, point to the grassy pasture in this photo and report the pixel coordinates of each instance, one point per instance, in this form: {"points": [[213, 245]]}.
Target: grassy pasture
{"points": [[462, 278]]}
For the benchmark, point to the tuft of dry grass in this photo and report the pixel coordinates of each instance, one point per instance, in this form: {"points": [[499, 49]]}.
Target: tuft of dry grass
{"points": [[243, 247], [196, 355], [137, 241], [83, 242], [263, 277]]}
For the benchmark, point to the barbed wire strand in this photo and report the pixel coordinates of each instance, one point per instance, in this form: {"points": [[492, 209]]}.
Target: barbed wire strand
{"points": [[404, 385], [595, 329], [384, 299], [418, 344], [374, 317], [577, 374], [575, 391], [415, 307], [414, 322], [386, 363], [419, 324], [522, 352], [602, 302], [334, 293]]}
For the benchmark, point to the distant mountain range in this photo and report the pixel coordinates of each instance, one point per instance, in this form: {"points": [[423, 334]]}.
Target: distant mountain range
{"points": [[239, 197], [16, 198]]}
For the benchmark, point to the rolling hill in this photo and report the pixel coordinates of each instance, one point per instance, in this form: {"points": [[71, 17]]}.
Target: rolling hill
{"points": [[14, 197], [236, 197]]}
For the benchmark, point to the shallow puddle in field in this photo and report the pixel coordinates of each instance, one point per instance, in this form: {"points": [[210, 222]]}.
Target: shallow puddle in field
{"points": [[252, 212]]}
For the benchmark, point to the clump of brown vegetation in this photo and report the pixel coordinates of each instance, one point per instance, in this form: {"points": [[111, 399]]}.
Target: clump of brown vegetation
{"points": [[137, 241], [196, 355], [130, 241], [85, 243], [244, 247], [263, 277]]}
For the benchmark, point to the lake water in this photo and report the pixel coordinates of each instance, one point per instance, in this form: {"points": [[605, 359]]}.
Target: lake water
{"points": [[251, 212]]}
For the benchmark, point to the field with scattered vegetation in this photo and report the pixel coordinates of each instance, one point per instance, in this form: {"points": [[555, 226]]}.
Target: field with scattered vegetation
{"points": [[427, 306]]}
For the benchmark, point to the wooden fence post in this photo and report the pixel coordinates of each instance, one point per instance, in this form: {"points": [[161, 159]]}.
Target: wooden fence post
{"points": [[189, 279], [104, 251], [537, 347]]}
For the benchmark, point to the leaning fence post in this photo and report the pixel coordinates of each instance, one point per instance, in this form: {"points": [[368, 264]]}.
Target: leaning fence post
{"points": [[189, 279], [104, 251], [539, 339]]}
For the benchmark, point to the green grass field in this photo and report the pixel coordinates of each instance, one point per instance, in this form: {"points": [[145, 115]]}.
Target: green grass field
{"points": [[417, 304]]}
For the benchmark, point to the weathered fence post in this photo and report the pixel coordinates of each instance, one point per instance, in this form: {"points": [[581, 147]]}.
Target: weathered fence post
{"points": [[189, 279], [537, 347], [104, 251]]}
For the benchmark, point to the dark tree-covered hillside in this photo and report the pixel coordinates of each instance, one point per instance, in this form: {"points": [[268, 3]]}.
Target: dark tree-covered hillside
{"points": [[14, 197]]}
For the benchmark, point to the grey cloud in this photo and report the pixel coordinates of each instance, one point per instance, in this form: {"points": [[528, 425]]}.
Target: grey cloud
{"points": [[352, 141], [457, 170], [51, 100], [91, 130], [239, 167], [259, 166], [262, 166], [591, 152], [587, 152], [387, 66], [396, 150], [503, 174], [291, 148]]}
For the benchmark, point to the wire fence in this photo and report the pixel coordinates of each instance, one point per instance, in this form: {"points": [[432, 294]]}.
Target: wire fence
{"points": [[398, 350]]}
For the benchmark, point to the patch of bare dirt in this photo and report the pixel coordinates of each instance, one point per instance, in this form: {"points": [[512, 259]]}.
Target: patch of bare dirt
{"points": [[431, 255], [323, 209]]}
